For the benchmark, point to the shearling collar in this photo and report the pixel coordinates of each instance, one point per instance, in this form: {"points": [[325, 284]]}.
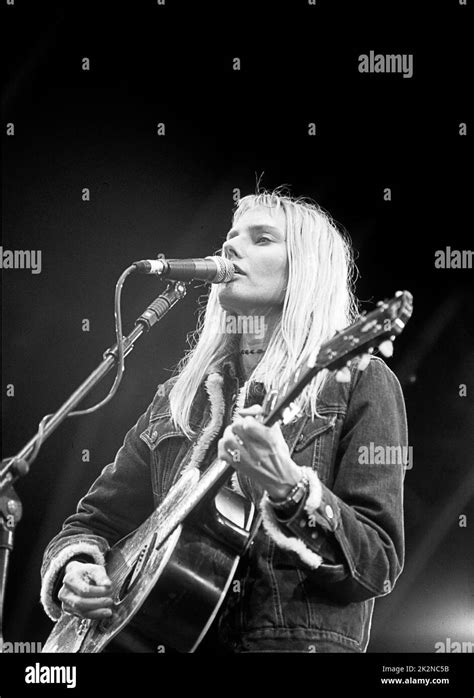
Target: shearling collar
{"points": [[224, 387]]}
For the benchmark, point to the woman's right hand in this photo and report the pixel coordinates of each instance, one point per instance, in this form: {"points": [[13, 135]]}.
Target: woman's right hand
{"points": [[86, 591]]}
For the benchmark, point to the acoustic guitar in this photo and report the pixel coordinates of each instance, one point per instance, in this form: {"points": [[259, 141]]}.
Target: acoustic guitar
{"points": [[171, 575]]}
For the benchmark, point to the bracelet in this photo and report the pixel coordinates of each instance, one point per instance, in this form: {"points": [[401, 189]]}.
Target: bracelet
{"points": [[294, 497]]}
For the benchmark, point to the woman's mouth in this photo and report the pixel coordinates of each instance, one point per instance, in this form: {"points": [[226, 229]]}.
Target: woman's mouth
{"points": [[238, 270]]}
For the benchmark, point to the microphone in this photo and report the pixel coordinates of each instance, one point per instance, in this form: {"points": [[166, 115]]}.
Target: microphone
{"points": [[216, 270]]}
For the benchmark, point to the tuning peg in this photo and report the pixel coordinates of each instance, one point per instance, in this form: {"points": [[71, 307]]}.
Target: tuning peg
{"points": [[386, 348], [343, 375], [363, 362]]}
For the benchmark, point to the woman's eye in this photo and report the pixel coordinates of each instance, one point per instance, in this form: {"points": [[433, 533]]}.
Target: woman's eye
{"points": [[264, 239]]}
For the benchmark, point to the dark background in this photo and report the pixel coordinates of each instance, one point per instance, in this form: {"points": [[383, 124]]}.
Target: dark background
{"points": [[174, 195]]}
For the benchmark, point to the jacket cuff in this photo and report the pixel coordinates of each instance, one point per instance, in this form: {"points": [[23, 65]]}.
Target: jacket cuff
{"points": [[319, 514], [56, 565], [273, 526]]}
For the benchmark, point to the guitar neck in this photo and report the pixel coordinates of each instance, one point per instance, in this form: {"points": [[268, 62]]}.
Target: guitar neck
{"points": [[211, 480]]}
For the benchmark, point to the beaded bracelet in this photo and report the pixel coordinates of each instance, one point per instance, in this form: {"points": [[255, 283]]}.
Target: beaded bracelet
{"points": [[294, 497]]}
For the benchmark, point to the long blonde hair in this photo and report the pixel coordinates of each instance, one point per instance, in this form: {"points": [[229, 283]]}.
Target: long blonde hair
{"points": [[318, 301]]}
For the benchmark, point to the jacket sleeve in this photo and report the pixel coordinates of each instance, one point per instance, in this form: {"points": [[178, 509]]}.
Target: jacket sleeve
{"points": [[117, 503], [359, 522]]}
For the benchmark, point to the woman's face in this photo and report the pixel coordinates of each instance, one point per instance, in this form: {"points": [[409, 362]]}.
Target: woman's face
{"points": [[256, 244]]}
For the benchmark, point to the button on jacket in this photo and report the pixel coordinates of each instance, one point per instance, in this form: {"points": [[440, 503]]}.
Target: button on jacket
{"points": [[307, 584]]}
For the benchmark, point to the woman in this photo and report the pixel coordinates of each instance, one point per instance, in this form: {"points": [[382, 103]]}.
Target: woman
{"points": [[331, 538]]}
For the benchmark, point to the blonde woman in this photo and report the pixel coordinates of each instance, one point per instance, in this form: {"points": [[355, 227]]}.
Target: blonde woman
{"points": [[331, 535]]}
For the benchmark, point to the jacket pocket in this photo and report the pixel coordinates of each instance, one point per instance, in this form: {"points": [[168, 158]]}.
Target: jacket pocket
{"points": [[167, 445], [313, 429], [313, 447], [160, 427]]}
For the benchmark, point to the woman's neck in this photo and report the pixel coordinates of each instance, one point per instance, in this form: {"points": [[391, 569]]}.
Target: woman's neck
{"points": [[253, 345]]}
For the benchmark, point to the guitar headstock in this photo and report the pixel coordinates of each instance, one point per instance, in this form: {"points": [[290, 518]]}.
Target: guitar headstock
{"points": [[378, 329], [370, 331]]}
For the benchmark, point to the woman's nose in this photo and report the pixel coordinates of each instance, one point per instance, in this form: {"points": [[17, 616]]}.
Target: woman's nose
{"points": [[230, 250]]}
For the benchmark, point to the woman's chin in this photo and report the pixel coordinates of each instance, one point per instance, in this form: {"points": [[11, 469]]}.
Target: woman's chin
{"points": [[232, 301]]}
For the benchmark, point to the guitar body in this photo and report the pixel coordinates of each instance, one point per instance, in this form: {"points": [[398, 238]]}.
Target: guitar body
{"points": [[170, 591]]}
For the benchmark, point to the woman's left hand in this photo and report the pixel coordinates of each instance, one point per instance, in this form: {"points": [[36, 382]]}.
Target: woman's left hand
{"points": [[259, 452]]}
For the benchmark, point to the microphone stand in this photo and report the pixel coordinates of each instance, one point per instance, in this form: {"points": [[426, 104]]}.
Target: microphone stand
{"points": [[17, 466]]}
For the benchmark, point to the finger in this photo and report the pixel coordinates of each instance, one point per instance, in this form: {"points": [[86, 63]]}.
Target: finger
{"points": [[249, 427], [230, 437], [77, 604], [73, 600], [96, 574], [228, 434], [231, 450], [234, 448], [252, 410], [79, 583], [98, 614], [92, 573], [86, 590]]}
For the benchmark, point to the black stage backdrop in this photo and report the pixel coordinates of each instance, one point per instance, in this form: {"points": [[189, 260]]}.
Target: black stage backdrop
{"points": [[179, 108]]}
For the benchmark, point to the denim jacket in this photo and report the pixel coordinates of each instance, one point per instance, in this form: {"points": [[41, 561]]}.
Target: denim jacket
{"points": [[307, 584]]}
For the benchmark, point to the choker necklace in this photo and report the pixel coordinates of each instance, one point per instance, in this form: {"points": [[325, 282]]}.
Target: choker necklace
{"points": [[252, 351]]}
